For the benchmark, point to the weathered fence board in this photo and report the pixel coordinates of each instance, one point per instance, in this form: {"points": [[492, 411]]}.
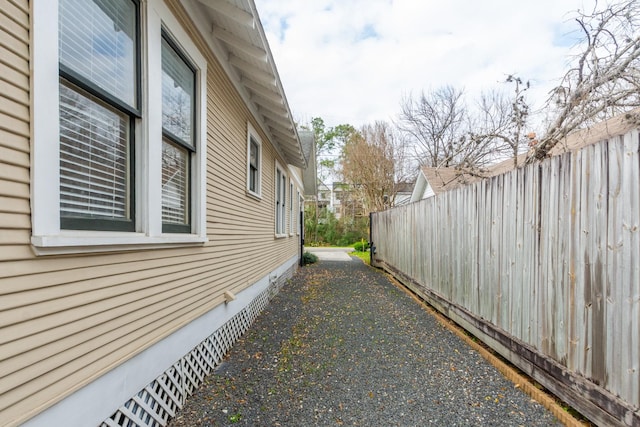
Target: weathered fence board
{"points": [[544, 264]]}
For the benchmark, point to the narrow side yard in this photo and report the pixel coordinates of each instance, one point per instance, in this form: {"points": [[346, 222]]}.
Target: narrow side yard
{"points": [[341, 345]]}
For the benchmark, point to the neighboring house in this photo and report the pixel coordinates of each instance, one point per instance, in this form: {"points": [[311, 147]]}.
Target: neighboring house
{"points": [[324, 195], [579, 139], [150, 184], [404, 190], [433, 181], [346, 200], [336, 195]]}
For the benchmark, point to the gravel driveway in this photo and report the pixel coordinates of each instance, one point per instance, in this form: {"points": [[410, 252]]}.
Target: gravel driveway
{"points": [[341, 345]]}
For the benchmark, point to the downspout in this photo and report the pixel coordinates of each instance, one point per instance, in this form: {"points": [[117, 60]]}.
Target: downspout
{"points": [[372, 248], [301, 225]]}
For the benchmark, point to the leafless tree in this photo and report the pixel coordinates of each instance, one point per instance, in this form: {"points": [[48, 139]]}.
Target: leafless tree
{"points": [[519, 115], [372, 162], [605, 78], [450, 134], [436, 121], [499, 123]]}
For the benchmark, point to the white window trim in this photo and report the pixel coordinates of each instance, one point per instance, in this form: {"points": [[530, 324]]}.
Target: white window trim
{"points": [[47, 237], [283, 174], [252, 134]]}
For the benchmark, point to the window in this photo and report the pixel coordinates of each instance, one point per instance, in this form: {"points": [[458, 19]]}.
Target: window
{"points": [[254, 158], [119, 107], [178, 119], [291, 216], [98, 106], [281, 202], [299, 216]]}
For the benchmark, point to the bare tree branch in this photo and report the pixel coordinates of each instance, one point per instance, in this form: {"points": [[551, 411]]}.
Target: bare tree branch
{"points": [[436, 122], [606, 78], [447, 133]]}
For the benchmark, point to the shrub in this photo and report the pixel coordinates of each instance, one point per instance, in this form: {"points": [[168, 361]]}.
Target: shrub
{"points": [[361, 246], [343, 241], [309, 258]]}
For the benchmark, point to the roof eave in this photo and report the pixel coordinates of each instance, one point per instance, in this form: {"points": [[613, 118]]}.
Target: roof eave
{"points": [[234, 34]]}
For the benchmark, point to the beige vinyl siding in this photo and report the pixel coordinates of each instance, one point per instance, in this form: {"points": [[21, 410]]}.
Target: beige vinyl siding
{"points": [[15, 221], [64, 320]]}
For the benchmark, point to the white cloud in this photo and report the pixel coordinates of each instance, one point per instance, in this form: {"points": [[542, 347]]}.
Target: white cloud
{"points": [[351, 61]]}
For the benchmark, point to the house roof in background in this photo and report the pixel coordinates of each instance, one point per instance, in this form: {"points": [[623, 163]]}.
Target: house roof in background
{"points": [[615, 126], [444, 179], [405, 187], [234, 33]]}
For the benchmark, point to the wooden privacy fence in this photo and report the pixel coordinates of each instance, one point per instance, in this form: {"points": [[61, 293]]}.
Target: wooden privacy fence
{"points": [[543, 265]]}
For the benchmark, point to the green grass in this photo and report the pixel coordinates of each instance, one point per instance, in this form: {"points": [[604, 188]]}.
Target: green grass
{"points": [[364, 256]]}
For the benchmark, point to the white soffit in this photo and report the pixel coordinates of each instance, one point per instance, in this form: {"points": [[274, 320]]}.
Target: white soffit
{"points": [[235, 35]]}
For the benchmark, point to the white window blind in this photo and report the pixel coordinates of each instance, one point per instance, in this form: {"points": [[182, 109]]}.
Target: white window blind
{"points": [[94, 147], [178, 95], [279, 201], [290, 207], [178, 112], [175, 172], [98, 94], [97, 41], [283, 206]]}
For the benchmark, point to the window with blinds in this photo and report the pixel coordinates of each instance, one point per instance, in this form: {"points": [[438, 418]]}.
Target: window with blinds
{"points": [[283, 205], [279, 229], [94, 147], [99, 74], [290, 207], [254, 162], [123, 171], [281, 202], [175, 184], [178, 118]]}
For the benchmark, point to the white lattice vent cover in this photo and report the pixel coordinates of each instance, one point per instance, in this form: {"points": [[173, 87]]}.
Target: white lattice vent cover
{"points": [[159, 401]]}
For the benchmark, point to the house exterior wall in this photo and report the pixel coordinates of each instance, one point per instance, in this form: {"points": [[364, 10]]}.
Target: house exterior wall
{"points": [[422, 189], [65, 321], [428, 192], [14, 130]]}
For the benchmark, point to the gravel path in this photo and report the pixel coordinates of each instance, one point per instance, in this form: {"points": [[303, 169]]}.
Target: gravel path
{"points": [[341, 345]]}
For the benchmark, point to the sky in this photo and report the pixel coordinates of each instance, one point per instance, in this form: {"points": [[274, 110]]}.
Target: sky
{"points": [[353, 61]]}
